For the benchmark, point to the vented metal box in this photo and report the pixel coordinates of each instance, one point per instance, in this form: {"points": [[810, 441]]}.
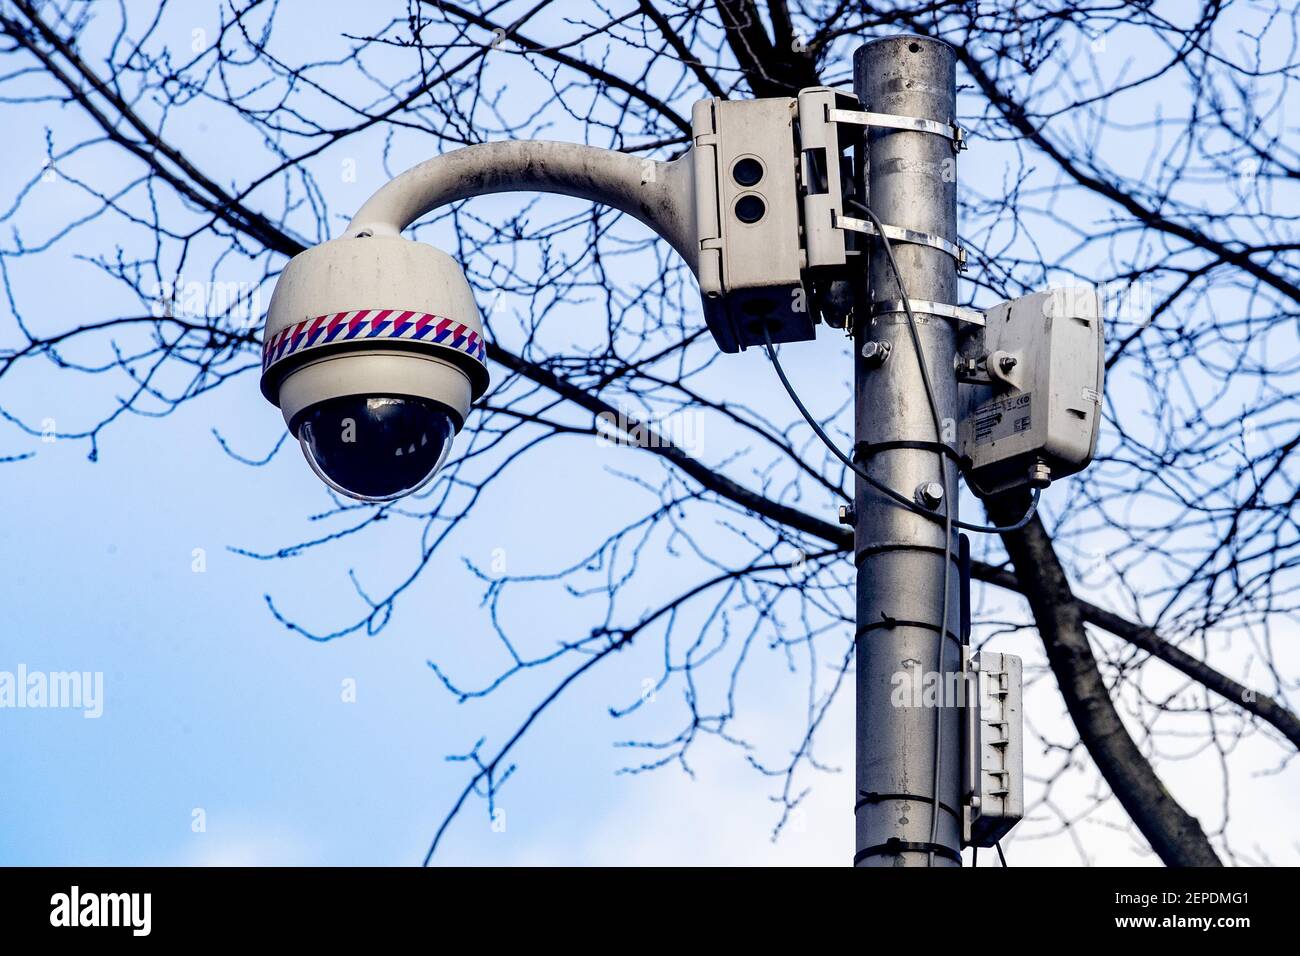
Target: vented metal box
{"points": [[999, 746]]}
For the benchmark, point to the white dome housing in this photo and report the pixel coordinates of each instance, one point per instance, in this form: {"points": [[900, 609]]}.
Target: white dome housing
{"points": [[374, 352]]}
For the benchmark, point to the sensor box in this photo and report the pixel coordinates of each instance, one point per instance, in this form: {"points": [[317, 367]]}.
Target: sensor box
{"points": [[1037, 396], [747, 219]]}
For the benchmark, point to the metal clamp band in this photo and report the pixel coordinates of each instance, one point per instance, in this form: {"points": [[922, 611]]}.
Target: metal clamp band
{"points": [[973, 316], [915, 124], [890, 623], [864, 450], [894, 845], [866, 798], [901, 234]]}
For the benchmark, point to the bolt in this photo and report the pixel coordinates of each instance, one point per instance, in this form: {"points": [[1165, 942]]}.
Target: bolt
{"points": [[1040, 474], [846, 515], [930, 494], [875, 353], [1007, 363]]}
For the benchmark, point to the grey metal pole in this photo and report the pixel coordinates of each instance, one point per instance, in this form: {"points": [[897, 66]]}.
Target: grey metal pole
{"points": [[900, 554]]}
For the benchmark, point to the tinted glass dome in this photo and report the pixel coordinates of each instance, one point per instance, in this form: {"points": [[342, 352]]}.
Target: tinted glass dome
{"points": [[375, 448]]}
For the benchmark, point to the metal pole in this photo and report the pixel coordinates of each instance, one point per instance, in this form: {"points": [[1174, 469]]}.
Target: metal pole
{"points": [[900, 555]]}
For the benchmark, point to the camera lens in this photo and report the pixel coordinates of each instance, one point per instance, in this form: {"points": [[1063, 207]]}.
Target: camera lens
{"points": [[750, 209], [375, 448], [747, 171]]}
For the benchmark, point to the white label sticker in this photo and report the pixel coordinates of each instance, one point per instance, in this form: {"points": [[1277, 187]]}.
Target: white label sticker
{"points": [[1003, 417]]}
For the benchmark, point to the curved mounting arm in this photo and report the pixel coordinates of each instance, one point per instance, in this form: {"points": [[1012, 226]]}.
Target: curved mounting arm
{"points": [[661, 195]]}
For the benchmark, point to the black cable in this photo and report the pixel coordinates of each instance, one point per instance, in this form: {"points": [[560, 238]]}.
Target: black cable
{"points": [[1001, 856], [817, 429], [880, 486], [1005, 528]]}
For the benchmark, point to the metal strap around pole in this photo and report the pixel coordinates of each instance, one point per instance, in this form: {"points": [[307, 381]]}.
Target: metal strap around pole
{"points": [[900, 234], [949, 131], [893, 846], [971, 316]]}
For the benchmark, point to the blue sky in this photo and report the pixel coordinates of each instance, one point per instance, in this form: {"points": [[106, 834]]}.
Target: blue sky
{"points": [[211, 705]]}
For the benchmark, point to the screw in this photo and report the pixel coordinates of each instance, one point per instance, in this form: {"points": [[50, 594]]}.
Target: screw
{"points": [[846, 515], [1007, 363], [930, 494], [875, 353]]}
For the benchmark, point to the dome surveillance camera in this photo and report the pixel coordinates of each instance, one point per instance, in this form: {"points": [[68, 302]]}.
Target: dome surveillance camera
{"points": [[374, 351]]}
